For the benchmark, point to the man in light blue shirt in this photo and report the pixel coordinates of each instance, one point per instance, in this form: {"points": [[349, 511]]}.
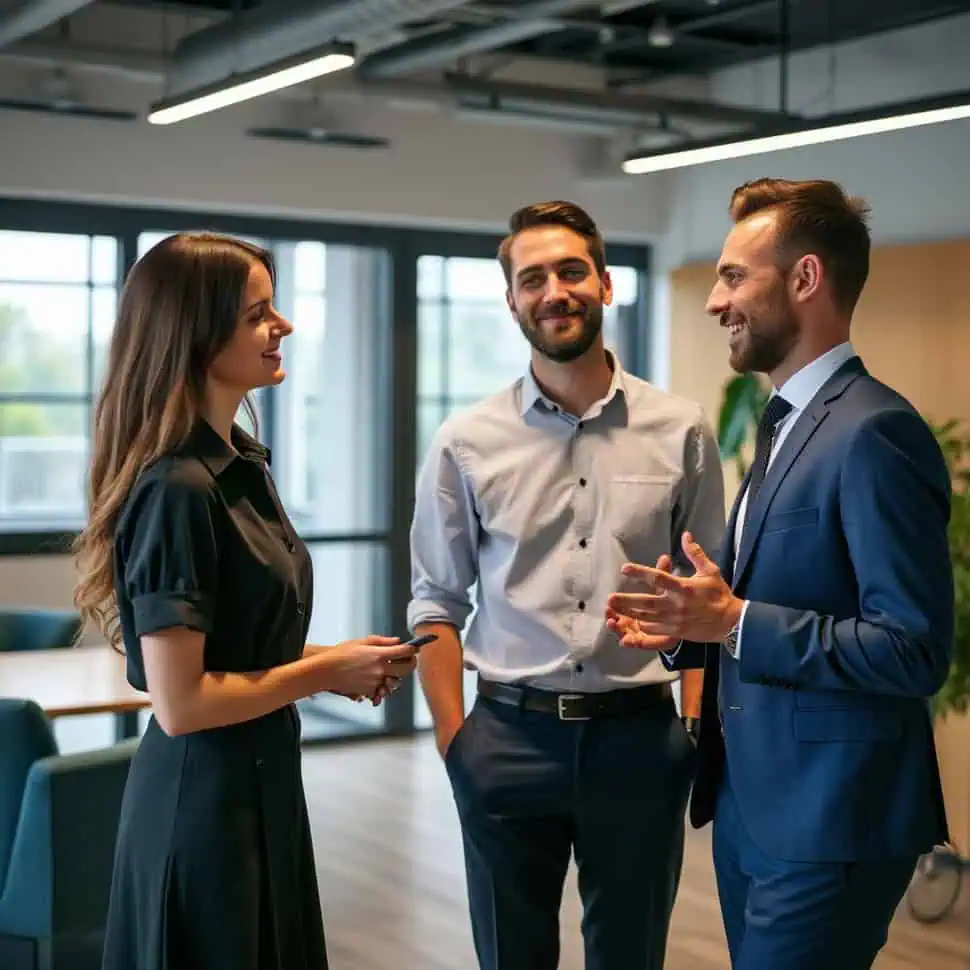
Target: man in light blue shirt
{"points": [[538, 495]]}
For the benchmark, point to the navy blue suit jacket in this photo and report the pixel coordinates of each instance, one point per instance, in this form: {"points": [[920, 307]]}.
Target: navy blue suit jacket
{"points": [[845, 560]]}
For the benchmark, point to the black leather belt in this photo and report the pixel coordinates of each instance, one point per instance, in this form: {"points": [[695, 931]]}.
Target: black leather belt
{"points": [[569, 706]]}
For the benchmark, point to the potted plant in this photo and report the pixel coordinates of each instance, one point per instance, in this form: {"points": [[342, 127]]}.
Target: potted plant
{"points": [[742, 401]]}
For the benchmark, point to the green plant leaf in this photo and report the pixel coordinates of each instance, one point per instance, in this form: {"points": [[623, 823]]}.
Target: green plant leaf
{"points": [[741, 405], [954, 697]]}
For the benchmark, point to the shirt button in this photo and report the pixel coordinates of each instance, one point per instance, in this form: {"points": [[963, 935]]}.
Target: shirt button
{"points": [[582, 543], [579, 668], [582, 604], [582, 483]]}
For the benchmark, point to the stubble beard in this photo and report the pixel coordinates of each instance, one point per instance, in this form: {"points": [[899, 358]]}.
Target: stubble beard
{"points": [[564, 352]]}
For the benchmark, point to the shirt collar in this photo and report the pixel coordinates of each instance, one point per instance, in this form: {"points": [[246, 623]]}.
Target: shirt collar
{"points": [[209, 445], [531, 394], [803, 385]]}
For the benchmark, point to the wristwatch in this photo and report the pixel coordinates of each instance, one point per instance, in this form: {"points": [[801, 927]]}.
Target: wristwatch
{"points": [[692, 725], [730, 641]]}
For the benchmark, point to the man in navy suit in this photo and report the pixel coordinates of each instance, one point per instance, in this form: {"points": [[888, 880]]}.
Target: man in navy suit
{"points": [[827, 622]]}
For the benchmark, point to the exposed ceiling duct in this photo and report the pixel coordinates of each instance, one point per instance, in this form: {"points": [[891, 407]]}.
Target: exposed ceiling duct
{"points": [[59, 93], [275, 31], [489, 98], [632, 106], [527, 22], [135, 65], [29, 16]]}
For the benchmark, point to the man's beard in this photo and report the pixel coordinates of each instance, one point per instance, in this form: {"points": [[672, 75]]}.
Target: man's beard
{"points": [[562, 352], [769, 338]]}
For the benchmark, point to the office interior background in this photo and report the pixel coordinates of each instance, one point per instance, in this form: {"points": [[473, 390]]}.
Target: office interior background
{"points": [[383, 192]]}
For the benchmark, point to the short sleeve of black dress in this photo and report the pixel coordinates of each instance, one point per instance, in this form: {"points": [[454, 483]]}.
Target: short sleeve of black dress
{"points": [[169, 552]]}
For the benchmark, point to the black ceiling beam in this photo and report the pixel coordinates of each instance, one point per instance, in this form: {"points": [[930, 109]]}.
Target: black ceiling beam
{"points": [[746, 40], [634, 35], [717, 62], [844, 33], [642, 105], [694, 25], [924, 14], [728, 15]]}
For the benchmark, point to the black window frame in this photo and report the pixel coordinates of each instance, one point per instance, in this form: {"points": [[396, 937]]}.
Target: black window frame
{"points": [[404, 244]]}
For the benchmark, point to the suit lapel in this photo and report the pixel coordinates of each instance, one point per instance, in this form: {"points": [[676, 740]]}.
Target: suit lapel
{"points": [[805, 426]]}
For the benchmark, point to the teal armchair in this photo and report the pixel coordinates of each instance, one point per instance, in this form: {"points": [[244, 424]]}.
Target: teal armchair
{"points": [[36, 629], [58, 826]]}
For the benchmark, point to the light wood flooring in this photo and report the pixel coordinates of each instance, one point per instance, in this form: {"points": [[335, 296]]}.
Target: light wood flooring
{"points": [[392, 877]]}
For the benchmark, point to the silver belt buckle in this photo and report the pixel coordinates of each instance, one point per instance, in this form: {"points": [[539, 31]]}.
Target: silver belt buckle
{"points": [[561, 701]]}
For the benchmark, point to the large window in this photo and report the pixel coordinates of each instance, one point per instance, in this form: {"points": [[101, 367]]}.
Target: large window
{"points": [[394, 329], [331, 438], [327, 426], [57, 304]]}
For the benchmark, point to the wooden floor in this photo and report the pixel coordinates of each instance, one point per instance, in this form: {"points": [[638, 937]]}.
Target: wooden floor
{"points": [[392, 877]]}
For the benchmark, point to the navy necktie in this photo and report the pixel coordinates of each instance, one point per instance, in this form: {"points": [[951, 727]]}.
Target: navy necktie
{"points": [[776, 409]]}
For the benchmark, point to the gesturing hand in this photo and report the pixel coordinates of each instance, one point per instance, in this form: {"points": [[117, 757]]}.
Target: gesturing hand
{"points": [[628, 629], [700, 608]]}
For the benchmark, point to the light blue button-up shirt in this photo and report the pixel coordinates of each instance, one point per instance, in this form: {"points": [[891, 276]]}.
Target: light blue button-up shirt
{"points": [[541, 509]]}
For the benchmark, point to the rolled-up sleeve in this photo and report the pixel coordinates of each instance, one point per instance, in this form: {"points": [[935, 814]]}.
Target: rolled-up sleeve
{"points": [[700, 509], [170, 556], [444, 541]]}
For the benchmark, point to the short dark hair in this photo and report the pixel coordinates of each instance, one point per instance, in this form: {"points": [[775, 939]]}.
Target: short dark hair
{"points": [[814, 216], [556, 213]]}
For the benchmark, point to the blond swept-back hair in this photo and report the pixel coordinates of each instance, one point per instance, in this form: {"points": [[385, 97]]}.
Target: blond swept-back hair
{"points": [[180, 306]]}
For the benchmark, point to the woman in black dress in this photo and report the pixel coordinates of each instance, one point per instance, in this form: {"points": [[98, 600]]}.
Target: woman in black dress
{"points": [[190, 561]]}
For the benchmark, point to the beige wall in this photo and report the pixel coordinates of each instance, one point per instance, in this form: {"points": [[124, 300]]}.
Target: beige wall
{"points": [[43, 581], [912, 330]]}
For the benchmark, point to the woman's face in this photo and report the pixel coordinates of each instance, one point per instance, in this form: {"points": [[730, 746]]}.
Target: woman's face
{"points": [[253, 357]]}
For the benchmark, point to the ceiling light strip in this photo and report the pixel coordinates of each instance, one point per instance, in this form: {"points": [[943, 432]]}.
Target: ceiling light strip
{"points": [[830, 131], [254, 84]]}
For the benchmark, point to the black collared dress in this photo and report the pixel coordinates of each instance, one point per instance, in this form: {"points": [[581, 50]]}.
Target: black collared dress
{"points": [[214, 867]]}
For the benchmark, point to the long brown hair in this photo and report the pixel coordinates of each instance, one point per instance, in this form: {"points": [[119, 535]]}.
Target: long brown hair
{"points": [[179, 307]]}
